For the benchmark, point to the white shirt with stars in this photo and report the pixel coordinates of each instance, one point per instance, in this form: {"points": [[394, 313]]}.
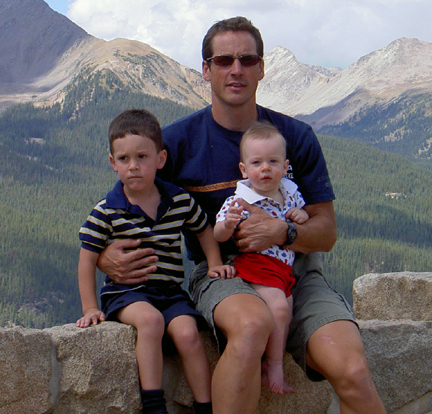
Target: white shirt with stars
{"points": [[292, 198]]}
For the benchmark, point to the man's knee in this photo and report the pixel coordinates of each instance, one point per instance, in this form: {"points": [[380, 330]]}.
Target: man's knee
{"points": [[246, 329], [356, 374]]}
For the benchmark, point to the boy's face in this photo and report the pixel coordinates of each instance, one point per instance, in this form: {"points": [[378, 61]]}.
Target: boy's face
{"points": [[264, 163], [136, 161]]}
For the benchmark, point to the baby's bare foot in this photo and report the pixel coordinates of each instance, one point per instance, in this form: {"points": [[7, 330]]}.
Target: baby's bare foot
{"points": [[273, 379]]}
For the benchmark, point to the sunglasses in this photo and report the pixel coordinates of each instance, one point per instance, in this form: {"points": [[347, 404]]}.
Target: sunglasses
{"points": [[228, 60]]}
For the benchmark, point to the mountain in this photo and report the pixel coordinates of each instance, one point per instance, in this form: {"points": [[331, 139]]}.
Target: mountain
{"points": [[33, 38], [383, 99], [42, 52]]}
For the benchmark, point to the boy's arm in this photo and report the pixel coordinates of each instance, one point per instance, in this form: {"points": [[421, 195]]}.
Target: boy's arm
{"points": [[87, 288], [212, 252]]}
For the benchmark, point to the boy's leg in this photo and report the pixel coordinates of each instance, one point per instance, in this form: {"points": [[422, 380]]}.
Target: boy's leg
{"points": [[281, 309], [150, 326], [184, 333]]}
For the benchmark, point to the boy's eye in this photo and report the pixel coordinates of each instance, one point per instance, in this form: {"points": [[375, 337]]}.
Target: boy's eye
{"points": [[142, 156]]}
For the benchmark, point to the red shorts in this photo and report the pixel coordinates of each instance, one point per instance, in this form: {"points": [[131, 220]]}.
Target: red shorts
{"points": [[265, 270]]}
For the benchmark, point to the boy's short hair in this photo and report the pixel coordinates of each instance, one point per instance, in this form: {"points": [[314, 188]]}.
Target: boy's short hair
{"points": [[234, 24], [260, 130], [136, 122]]}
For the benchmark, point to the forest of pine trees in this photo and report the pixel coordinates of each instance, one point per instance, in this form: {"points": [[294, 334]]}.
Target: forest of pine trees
{"points": [[54, 167]]}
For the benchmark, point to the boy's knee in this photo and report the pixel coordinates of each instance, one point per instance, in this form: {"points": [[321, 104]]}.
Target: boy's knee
{"points": [[188, 339], [153, 321]]}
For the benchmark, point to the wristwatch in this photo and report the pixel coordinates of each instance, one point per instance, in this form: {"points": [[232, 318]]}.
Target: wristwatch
{"points": [[291, 233]]}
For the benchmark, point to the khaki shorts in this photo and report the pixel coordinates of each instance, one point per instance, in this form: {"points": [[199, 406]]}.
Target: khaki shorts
{"points": [[316, 303]]}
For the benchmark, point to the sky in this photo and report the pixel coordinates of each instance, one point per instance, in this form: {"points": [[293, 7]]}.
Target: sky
{"points": [[322, 32]]}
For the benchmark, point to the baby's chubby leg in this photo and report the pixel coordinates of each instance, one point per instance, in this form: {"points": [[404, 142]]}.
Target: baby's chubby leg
{"points": [[281, 309]]}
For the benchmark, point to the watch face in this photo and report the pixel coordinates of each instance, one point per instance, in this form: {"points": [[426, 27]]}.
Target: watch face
{"points": [[292, 233]]}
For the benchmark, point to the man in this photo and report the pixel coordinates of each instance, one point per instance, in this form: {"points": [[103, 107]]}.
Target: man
{"points": [[203, 158]]}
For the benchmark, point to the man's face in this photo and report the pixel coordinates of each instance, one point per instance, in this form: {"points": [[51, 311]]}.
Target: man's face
{"points": [[233, 85]]}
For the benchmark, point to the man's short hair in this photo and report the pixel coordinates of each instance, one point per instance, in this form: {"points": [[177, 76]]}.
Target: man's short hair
{"points": [[136, 122], [260, 130], [234, 24]]}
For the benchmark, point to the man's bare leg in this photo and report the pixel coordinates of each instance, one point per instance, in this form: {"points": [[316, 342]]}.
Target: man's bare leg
{"points": [[336, 351], [247, 323]]}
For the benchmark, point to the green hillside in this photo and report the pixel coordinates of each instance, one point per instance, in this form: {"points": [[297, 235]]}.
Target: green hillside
{"points": [[383, 213], [54, 167]]}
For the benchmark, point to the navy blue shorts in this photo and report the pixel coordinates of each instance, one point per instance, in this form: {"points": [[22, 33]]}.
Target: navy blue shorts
{"points": [[168, 298]]}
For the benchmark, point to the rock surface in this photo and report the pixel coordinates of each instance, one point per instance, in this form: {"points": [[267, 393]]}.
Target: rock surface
{"points": [[66, 369], [390, 296]]}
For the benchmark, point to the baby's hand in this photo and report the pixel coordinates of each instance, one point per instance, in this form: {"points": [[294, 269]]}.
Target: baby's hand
{"points": [[92, 317], [222, 271], [233, 215], [297, 215]]}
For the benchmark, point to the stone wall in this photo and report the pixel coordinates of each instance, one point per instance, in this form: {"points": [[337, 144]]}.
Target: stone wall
{"points": [[70, 370]]}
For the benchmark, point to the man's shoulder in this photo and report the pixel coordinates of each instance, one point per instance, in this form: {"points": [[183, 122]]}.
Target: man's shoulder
{"points": [[193, 120], [282, 121]]}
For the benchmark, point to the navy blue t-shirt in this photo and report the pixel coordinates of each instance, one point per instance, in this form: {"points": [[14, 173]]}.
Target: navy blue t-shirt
{"points": [[203, 158]]}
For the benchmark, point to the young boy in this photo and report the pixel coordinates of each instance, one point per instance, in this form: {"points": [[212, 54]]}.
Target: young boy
{"points": [[144, 207], [264, 165]]}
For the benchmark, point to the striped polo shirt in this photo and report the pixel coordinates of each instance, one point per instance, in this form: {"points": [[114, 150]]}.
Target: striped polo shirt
{"points": [[114, 218]]}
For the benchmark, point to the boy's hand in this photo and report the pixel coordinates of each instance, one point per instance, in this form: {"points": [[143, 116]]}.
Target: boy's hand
{"points": [[297, 215], [222, 271], [92, 317]]}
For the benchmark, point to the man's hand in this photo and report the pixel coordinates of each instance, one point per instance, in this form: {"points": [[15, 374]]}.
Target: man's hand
{"points": [[259, 231], [127, 268]]}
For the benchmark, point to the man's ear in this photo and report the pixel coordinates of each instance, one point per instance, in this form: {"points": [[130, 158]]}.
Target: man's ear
{"points": [[112, 161], [206, 71], [261, 69], [243, 170]]}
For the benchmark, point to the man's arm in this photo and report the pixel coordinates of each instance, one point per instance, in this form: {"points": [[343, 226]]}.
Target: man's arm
{"points": [[127, 267], [260, 230]]}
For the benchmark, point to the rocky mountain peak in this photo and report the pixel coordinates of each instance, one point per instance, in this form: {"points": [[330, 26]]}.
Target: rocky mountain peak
{"points": [[294, 88], [404, 62], [33, 38]]}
